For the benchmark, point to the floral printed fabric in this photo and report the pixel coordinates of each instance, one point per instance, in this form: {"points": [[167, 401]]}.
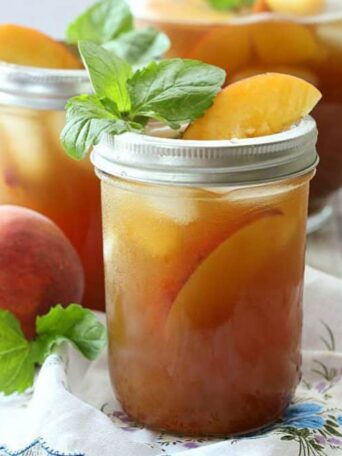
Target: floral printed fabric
{"points": [[71, 394]]}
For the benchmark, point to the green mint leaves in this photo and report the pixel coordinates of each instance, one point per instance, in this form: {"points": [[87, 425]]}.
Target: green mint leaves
{"points": [[108, 75], [102, 22], [18, 356], [87, 119], [175, 90], [140, 46], [110, 23], [230, 4], [16, 366], [172, 91]]}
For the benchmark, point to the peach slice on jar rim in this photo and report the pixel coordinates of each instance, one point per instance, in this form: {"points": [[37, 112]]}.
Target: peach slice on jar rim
{"points": [[286, 43], [258, 106], [26, 46]]}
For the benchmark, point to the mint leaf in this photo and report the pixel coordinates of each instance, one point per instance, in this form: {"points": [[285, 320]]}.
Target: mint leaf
{"points": [[230, 4], [108, 74], [140, 46], [174, 90], [75, 324], [18, 356], [87, 119], [101, 23], [16, 363]]}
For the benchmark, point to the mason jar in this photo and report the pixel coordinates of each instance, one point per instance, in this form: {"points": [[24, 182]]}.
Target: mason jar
{"points": [[204, 247], [36, 173], [309, 47]]}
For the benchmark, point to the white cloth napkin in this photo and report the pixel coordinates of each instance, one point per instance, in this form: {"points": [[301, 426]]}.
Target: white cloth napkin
{"points": [[73, 410]]}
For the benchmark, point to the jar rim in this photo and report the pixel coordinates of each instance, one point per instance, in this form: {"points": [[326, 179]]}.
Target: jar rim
{"points": [[40, 88], [220, 162], [327, 16]]}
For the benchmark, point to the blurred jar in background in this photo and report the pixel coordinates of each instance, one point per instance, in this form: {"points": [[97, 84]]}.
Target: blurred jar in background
{"points": [[245, 44], [36, 173]]}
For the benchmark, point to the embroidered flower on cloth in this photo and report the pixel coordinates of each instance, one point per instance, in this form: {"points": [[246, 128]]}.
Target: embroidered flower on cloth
{"points": [[37, 448], [303, 416]]}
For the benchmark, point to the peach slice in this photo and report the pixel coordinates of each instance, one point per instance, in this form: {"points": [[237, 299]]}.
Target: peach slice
{"points": [[297, 7], [25, 46], [261, 6], [228, 47], [209, 295], [285, 43], [262, 105]]}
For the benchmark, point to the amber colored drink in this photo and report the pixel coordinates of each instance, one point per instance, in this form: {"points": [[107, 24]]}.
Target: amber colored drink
{"points": [[245, 45], [204, 291], [36, 173]]}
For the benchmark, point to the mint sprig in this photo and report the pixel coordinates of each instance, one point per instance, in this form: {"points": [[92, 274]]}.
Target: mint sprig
{"points": [[110, 23], [139, 46], [102, 22], [108, 75], [172, 91], [230, 4], [19, 357]]}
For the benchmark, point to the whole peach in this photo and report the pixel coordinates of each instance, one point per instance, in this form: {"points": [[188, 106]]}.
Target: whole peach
{"points": [[39, 267]]}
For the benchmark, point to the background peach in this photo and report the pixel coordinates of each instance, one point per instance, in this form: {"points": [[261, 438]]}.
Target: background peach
{"points": [[39, 267]]}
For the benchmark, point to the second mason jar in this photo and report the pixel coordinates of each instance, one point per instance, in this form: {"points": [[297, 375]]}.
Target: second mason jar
{"points": [[36, 173], [204, 247]]}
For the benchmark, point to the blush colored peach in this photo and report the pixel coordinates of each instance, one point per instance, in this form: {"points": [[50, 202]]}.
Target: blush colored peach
{"points": [[39, 268]]}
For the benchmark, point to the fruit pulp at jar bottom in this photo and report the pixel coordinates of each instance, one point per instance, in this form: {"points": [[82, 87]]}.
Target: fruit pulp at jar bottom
{"points": [[204, 302], [310, 51], [36, 173]]}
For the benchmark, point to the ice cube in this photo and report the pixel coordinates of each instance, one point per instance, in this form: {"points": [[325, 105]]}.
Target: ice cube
{"points": [[28, 142], [331, 35], [178, 208]]}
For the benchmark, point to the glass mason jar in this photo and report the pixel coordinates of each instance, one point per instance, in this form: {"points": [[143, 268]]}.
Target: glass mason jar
{"points": [[204, 247], [308, 47], [36, 173]]}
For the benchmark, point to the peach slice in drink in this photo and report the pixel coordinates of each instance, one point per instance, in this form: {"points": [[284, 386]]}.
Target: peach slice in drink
{"points": [[229, 47], [194, 10], [261, 105], [297, 7], [169, 243], [27, 46], [286, 43], [217, 284]]}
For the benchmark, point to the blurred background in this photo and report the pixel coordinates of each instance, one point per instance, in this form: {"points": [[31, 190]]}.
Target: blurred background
{"points": [[49, 16]]}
